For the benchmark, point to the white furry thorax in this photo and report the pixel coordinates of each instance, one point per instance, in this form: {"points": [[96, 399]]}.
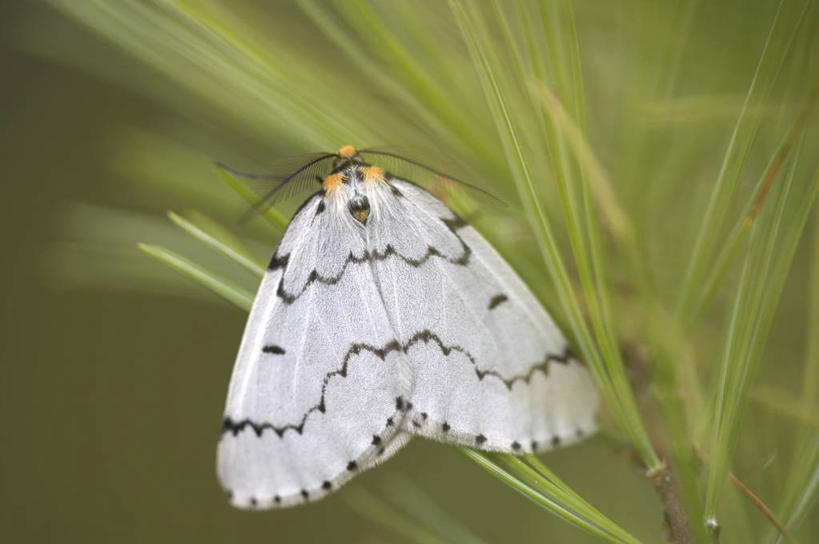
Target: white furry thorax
{"points": [[358, 187]]}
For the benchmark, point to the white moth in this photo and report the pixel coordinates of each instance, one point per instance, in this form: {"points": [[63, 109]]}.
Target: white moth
{"points": [[383, 316]]}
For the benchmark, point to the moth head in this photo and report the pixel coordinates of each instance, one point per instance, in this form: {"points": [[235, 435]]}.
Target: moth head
{"points": [[347, 156], [359, 206]]}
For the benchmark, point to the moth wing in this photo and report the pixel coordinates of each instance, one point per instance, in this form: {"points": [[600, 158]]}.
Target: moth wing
{"points": [[490, 367], [314, 392]]}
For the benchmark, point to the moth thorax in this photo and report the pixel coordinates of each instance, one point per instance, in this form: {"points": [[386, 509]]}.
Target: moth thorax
{"points": [[359, 206], [334, 183]]}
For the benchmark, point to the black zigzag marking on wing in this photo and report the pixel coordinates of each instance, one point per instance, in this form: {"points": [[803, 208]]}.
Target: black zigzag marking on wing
{"points": [[342, 477], [228, 425], [453, 224], [426, 336], [542, 366]]}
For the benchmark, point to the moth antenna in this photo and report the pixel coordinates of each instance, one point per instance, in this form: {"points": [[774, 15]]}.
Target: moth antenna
{"points": [[262, 202], [308, 165], [261, 205], [249, 175], [432, 170]]}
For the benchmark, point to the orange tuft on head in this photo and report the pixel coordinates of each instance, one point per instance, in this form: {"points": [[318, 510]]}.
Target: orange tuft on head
{"points": [[373, 174], [346, 152], [333, 183]]}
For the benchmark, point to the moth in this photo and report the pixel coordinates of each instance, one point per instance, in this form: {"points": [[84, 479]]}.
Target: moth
{"points": [[383, 316]]}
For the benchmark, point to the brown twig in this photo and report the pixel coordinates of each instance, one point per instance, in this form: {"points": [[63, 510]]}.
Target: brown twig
{"points": [[676, 518], [664, 480]]}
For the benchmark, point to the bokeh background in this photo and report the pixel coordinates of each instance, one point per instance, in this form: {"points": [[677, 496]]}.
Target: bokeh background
{"points": [[114, 368]]}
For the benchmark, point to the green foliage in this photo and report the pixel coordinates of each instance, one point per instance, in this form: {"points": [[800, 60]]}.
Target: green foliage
{"points": [[233, 293], [661, 221], [767, 262]]}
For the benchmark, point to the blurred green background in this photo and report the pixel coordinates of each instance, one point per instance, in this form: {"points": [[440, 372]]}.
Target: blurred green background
{"points": [[114, 369]]}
